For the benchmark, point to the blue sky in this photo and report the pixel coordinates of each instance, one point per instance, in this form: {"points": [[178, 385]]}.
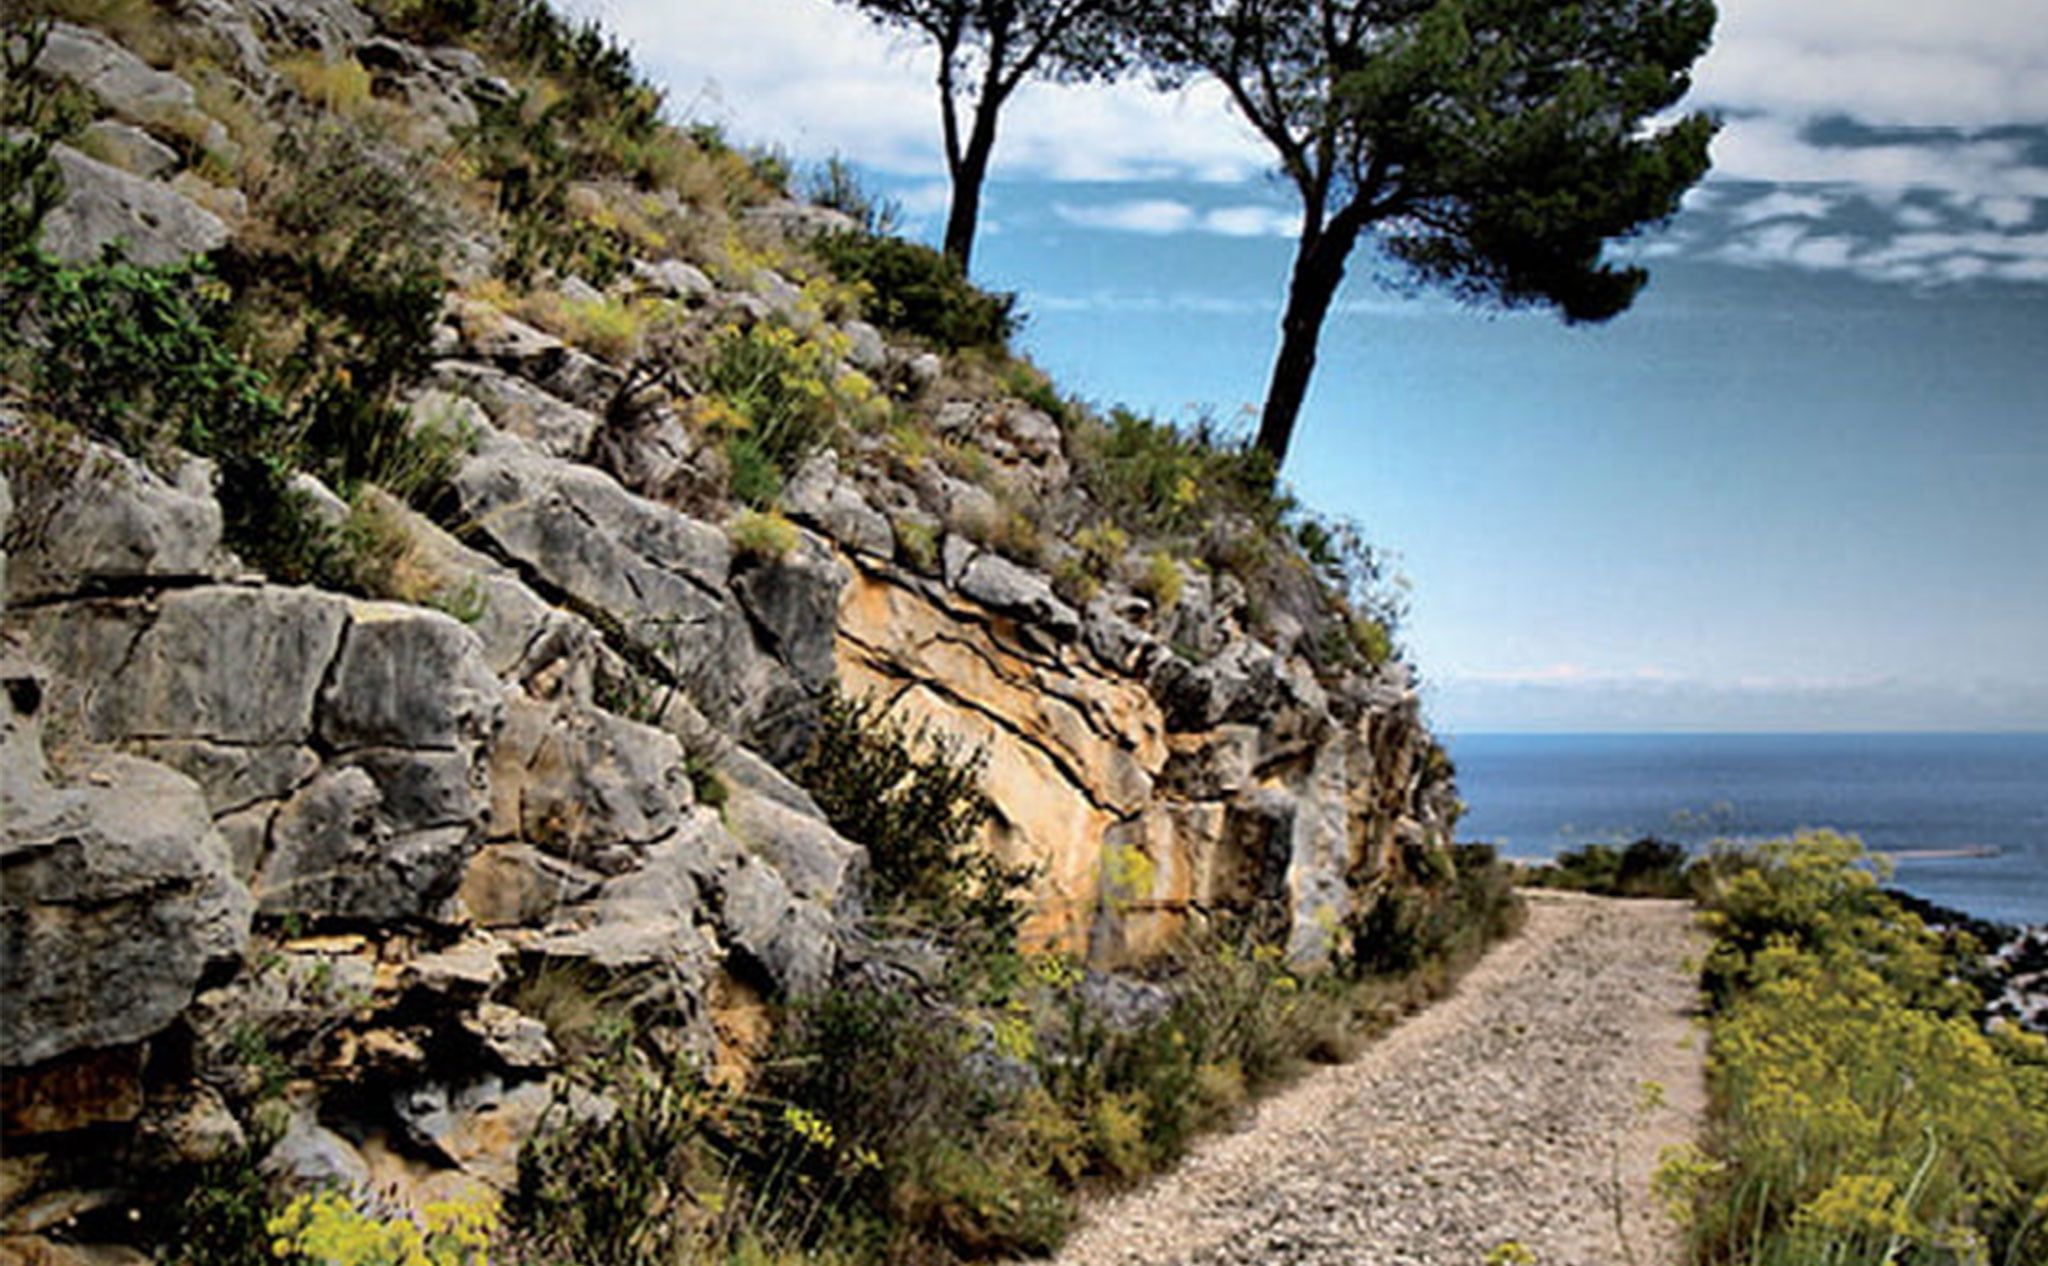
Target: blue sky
{"points": [[1803, 484]]}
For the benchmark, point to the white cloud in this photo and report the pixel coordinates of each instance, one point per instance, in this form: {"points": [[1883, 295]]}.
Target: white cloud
{"points": [[1784, 204], [1159, 216], [2007, 213], [1151, 216], [1253, 221], [1779, 151], [1961, 63], [1917, 217], [1923, 256]]}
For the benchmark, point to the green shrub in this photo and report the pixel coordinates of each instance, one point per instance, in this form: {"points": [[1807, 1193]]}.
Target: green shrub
{"points": [[1162, 581], [34, 116], [616, 1191], [918, 543], [222, 1215], [774, 399], [915, 800], [1156, 479], [1460, 900], [763, 535], [1861, 1115], [836, 184], [1102, 546], [1024, 381], [134, 356], [920, 292], [1648, 867]]}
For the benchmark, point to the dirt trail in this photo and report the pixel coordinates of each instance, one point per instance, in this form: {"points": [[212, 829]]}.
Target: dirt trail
{"points": [[1504, 1112]]}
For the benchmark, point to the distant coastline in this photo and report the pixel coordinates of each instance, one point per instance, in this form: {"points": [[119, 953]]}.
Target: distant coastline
{"points": [[1963, 816]]}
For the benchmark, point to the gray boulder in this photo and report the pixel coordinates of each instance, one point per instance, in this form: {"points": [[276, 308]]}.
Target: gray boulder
{"points": [[122, 82], [865, 348], [795, 601], [790, 940], [225, 27], [588, 787], [131, 149], [1007, 589], [822, 498], [657, 577], [654, 915], [675, 279], [338, 851], [331, 28], [549, 651], [408, 677], [815, 861], [104, 205], [552, 425], [181, 668], [116, 898], [120, 522], [801, 219], [234, 777], [310, 1157], [481, 1127]]}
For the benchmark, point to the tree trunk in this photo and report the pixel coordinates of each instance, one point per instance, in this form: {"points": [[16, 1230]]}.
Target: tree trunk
{"points": [[1318, 270], [969, 174]]}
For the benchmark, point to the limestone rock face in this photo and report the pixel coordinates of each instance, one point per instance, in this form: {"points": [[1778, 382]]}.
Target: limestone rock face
{"points": [[6, 517], [588, 787], [1146, 789], [104, 205], [118, 897], [821, 497], [181, 667], [795, 601], [121, 81], [659, 577], [552, 425], [363, 829], [407, 677], [119, 524], [352, 781]]}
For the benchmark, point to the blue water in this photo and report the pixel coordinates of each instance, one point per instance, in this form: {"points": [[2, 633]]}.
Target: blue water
{"points": [[1537, 794]]}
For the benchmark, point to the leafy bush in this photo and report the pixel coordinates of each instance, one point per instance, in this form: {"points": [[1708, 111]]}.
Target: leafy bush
{"points": [[1156, 479], [762, 534], [774, 398], [1462, 900], [915, 800], [1861, 1115], [613, 1191], [33, 118], [134, 355], [920, 292], [222, 1216], [1648, 867]]}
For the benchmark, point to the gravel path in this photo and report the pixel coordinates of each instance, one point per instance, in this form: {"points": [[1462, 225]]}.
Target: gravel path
{"points": [[1501, 1113]]}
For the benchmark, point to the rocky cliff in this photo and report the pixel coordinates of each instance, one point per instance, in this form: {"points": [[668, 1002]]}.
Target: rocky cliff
{"points": [[269, 843]]}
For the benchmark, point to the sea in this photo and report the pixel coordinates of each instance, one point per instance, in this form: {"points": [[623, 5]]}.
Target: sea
{"points": [[1965, 816]]}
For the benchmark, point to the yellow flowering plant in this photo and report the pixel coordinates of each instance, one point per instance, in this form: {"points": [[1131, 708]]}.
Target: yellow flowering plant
{"points": [[1863, 1113], [328, 1229]]}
